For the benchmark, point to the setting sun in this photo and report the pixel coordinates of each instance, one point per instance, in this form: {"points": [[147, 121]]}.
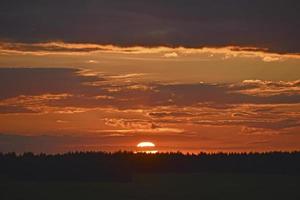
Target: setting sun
{"points": [[146, 144]]}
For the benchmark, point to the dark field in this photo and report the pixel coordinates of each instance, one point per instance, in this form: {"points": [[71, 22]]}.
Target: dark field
{"points": [[125, 175], [162, 186]]}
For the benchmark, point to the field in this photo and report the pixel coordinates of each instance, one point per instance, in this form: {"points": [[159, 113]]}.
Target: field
{"points": [[161, 186]]}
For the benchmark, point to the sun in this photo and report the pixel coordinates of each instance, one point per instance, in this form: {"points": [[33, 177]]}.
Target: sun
{"points": [[145, 144]]}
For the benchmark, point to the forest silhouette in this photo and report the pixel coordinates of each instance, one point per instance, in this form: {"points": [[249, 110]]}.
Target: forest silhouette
{"points": [[121, 166]]}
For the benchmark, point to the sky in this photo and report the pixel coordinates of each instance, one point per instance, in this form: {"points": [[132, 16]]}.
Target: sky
{"points": [[187, 75]]}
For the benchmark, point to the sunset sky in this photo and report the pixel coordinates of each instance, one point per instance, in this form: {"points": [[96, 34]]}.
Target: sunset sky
{"points": [[187, 75]]}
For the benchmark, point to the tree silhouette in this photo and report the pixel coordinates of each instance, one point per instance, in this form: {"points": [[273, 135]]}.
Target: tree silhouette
{"points": [[120, 166]]}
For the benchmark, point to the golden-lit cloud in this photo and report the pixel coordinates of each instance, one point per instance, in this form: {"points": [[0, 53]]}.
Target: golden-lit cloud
{"points": [[269, 88], [63, 48], [171, 55], [156, 63]]}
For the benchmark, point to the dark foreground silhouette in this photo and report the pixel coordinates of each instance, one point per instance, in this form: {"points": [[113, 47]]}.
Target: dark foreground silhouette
{"points": [[121, 166], [129, 176]]}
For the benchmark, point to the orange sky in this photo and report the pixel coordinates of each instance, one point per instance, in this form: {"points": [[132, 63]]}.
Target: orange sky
{"points": [[60, 96]]}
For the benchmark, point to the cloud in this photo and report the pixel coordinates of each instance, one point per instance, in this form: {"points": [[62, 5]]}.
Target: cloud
{"points": [[130, 123], [65, 48], [139, 22], [171, 55], [268, 88], [70, 88], [92, 62], [7, 109], [38, 81], [271, 59], [125, 107], [138, 126]]}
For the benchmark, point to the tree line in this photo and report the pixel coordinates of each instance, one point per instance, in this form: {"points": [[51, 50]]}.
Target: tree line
{"points": [[121, 166]]}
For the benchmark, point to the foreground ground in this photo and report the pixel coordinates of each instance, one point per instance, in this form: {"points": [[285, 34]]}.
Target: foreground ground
{"points": [[162, 186]]}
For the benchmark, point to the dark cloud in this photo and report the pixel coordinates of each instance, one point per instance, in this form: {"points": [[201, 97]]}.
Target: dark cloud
{"points": [[14, 109], [36, 81], [276, 125], [191, 94], [170, 114], [273, 24], [26, 83], [259, 123]]}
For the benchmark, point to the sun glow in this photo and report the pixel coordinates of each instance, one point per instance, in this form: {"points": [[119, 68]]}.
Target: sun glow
{"points": [[145, 144]]}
